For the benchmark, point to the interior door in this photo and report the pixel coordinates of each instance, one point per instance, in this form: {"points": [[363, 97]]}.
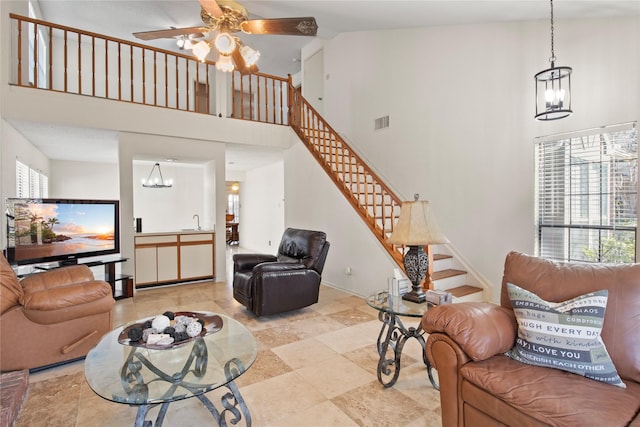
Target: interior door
{"points": [[313, 80], [202, 98]]}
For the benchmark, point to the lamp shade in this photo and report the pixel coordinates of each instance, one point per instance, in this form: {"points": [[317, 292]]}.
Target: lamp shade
{"points": [[416, 226]]}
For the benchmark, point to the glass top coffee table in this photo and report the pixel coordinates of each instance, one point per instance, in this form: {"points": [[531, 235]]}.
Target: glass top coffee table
{"points": [[145, 377], [393, 334]]}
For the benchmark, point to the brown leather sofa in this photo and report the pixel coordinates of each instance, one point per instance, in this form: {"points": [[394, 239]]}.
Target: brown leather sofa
{"points": [[51, 317], [480, 386], [270, 284]]}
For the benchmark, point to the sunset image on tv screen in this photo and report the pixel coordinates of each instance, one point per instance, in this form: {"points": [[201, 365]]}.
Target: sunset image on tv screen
{"points": [[58, 229]]}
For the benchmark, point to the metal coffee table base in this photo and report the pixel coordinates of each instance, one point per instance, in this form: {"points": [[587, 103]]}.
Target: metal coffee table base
{"points": [[393, 335], [135, 386], [232, 402]]}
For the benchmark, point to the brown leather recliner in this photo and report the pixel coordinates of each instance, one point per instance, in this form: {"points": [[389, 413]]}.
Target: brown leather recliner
{"points": [[51, 317], [270, 284], [480, 386]]}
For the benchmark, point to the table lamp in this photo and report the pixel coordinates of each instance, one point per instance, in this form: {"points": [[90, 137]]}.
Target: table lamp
{"points": [[416, 228]]}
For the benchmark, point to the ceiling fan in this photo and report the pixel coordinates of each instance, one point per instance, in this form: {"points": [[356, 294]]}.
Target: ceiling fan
{"points": [[227, 17]]}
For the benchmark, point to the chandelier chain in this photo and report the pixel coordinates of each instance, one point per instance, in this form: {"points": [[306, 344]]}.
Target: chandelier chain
{"points": [[553, 55]]}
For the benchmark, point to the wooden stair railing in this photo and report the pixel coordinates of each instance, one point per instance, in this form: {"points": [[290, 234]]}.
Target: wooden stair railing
{"points": [[376, 204]]}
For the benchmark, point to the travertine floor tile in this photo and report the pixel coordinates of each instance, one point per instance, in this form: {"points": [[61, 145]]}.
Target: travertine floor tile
{"points": [[335, 376], [315, 366], [307, 352]]}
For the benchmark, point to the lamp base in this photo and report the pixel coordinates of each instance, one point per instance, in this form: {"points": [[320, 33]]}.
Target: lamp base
{"points": [[416, 296]]}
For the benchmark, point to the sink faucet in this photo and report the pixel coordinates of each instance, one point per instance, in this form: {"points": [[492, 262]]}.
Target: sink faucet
{"points": [[198, 219]]}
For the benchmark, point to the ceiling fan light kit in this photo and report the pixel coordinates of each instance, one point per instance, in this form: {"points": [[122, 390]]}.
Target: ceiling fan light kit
{"points": [[224, 63], [225, 43], [553, 88], [201, 50], [227, 17]]}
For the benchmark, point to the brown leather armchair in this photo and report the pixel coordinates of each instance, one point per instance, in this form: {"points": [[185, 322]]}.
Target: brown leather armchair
{"points": [[51, 317], [480, 386], [270, 284]]}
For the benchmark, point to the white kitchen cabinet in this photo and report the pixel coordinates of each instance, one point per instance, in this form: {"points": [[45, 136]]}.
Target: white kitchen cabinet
{"points": [[156, 259], [173, 257], [196, 256]]}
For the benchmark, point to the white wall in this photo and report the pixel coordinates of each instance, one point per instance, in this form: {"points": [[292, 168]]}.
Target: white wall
{"points": [[262, 207], [170, 209], [83, 180], [313, 202], [461, 107]]}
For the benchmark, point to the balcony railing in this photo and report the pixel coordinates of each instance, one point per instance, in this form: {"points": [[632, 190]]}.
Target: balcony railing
{"points": [[63, 59]]}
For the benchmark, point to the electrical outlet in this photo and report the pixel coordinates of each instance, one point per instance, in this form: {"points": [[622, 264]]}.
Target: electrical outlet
{"points": [[347, 271], [269, 242]]}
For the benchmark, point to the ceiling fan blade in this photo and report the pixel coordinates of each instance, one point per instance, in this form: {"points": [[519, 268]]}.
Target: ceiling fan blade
{"points": [[174, 32], [241, 65], [211, 7], [283, 26]]}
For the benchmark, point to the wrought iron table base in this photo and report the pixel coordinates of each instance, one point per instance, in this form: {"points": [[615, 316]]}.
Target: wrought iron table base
{"points": [[394, 335], [230, 402], [134, 384]]}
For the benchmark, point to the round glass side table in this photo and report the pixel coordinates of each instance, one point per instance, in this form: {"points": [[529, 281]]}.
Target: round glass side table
{"points": [[393, 334]]}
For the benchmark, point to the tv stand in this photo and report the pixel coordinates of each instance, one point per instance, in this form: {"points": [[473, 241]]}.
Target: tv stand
{"points": [[110, 275]]}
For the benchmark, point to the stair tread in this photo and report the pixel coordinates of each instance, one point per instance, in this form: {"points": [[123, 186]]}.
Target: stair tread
{"points": [[437, 257], [464, 290], [443, 274]]}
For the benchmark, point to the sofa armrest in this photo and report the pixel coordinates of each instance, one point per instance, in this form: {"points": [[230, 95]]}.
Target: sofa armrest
{"points": [[65, 296], [57, 278], [246, 262], [481, 330], [274, 267]]}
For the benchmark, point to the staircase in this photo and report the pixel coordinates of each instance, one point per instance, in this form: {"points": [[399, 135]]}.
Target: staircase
{"points": [[374, 202]]}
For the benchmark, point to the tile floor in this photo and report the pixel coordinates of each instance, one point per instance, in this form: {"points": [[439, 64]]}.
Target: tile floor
{"points": [[315, 367]]}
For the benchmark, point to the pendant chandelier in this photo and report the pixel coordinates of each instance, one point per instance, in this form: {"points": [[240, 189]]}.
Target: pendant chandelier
{"points": [[553, 88], [158, 180]]}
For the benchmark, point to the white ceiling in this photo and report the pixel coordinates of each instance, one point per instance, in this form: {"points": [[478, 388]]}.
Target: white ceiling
{"points": [[279, 54]]}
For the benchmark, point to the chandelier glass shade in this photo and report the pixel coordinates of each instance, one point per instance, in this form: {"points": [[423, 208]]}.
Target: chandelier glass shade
{"points": [[201, 50], [553, 88], [225, 43], [157, 180], [224, 63]]}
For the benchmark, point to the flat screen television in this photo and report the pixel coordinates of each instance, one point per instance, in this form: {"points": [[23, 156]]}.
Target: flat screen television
{"points": [[63, 230]]}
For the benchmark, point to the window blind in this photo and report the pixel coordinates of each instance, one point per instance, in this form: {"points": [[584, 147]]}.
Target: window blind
{"points": [[587, 195], [30, 182]]}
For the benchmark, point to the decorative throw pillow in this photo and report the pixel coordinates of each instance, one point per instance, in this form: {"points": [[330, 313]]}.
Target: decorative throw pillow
{"points": [[563, 335]]}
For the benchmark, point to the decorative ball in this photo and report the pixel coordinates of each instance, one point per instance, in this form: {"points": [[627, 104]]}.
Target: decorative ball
{"points": [[194, 329], [135, 334], [181, 336], [147, 324], [170, 331], [160, 323], [201, 322], [169, 314], [180, 327]]}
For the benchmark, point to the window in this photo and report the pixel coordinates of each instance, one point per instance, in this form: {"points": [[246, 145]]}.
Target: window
{"points": [[587, 195], [30, 183]]}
